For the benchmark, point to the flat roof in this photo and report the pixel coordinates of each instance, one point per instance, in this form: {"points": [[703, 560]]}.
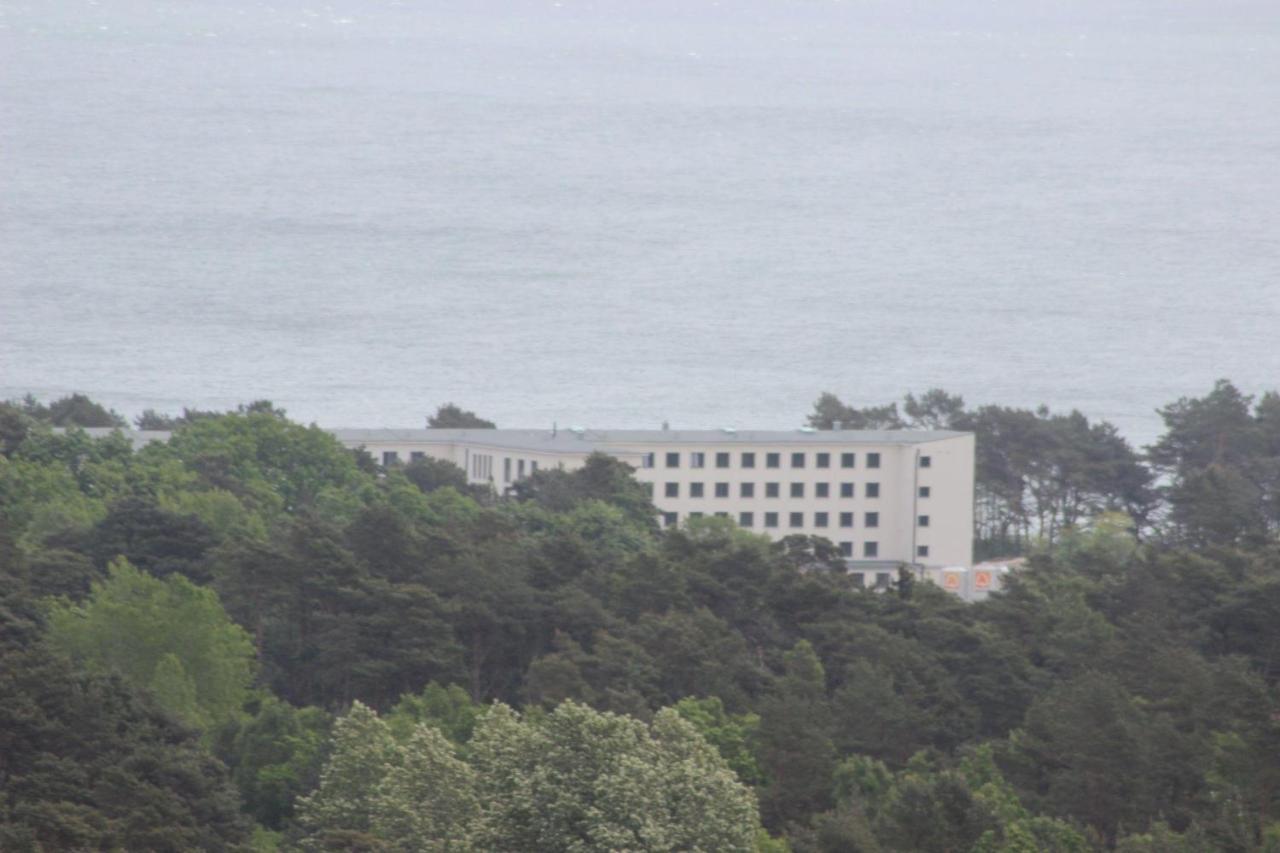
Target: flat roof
{"points": [[569, 441]]}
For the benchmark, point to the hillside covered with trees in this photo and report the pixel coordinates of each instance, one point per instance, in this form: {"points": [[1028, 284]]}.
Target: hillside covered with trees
{"points": [[250, 637]]}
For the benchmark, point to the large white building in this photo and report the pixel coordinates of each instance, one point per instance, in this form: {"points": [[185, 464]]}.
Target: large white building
{"points": [[885, 497]]}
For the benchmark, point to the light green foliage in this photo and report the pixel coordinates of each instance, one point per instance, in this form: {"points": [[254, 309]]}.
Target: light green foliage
{"points": [[362, 755], [448, 709], [271, 464], [39, 499], [221, 511], [175, 690], [571, 780], [581, 780], [167, 634], [427, 801], [733, 735]]}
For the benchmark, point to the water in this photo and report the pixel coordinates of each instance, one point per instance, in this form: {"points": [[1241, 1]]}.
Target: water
{"points": [[616, 213]]}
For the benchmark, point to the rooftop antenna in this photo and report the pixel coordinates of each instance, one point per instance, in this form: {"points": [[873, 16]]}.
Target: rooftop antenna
{"points": [[665, 426], [554, 429]]}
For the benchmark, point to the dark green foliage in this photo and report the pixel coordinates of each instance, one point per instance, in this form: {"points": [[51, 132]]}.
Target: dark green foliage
{"points": [[330, 627], [15, 424], [1117, 692], [430, 474], [87, 764], [153, 420], [274, 755], [602, 478], [1221, 455], [797, 753], [155, 540], [450, 416], [72, 410], [1038, 473]]}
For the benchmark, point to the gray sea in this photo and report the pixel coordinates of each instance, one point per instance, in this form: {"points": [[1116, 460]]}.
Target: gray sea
{"points": [[618, 213]]}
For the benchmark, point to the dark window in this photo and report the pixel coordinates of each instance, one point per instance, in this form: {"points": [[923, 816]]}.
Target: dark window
{"points": [[859, 579], [673, 460], [506, 470], [390, 457], [846, 460], [722, 490], [697, 459], [669, 519], [646, 460], [923, 521], [648, 487], [925, 461], [873, 490], [846, 550], [770, 490], [773, 460], [672, 490], [819, 519], [924, 491], [797, 519], [846, 519], [519, 469], [922, 550], [747, 490], [797, 460], [871, 549], [695, 490], [746, 519], [873, 460], [797, 490], [822, 490], [748, 460], [415, 455], [871, 519], [722, 515], [770, 519], [882, 578], [533, 466], [823, 460], [695, 515], [846, 490], [722, 460]]}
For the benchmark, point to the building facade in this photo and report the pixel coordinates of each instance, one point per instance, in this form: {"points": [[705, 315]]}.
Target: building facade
{"points": [[884, 497]]}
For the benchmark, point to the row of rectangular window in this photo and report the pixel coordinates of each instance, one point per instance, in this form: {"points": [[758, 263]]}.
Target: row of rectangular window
{"points": [[774, 490], [747, 459], [794, 519]]}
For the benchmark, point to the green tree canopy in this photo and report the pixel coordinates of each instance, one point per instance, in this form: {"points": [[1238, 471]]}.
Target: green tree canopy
{"points": [[451, 416], [168, 635]]}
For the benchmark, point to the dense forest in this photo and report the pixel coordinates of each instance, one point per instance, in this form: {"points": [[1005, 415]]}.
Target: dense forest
{"points": [[251, 638]]}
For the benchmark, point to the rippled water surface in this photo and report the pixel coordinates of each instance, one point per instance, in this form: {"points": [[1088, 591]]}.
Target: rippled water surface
{"points": [[615, 213]]}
